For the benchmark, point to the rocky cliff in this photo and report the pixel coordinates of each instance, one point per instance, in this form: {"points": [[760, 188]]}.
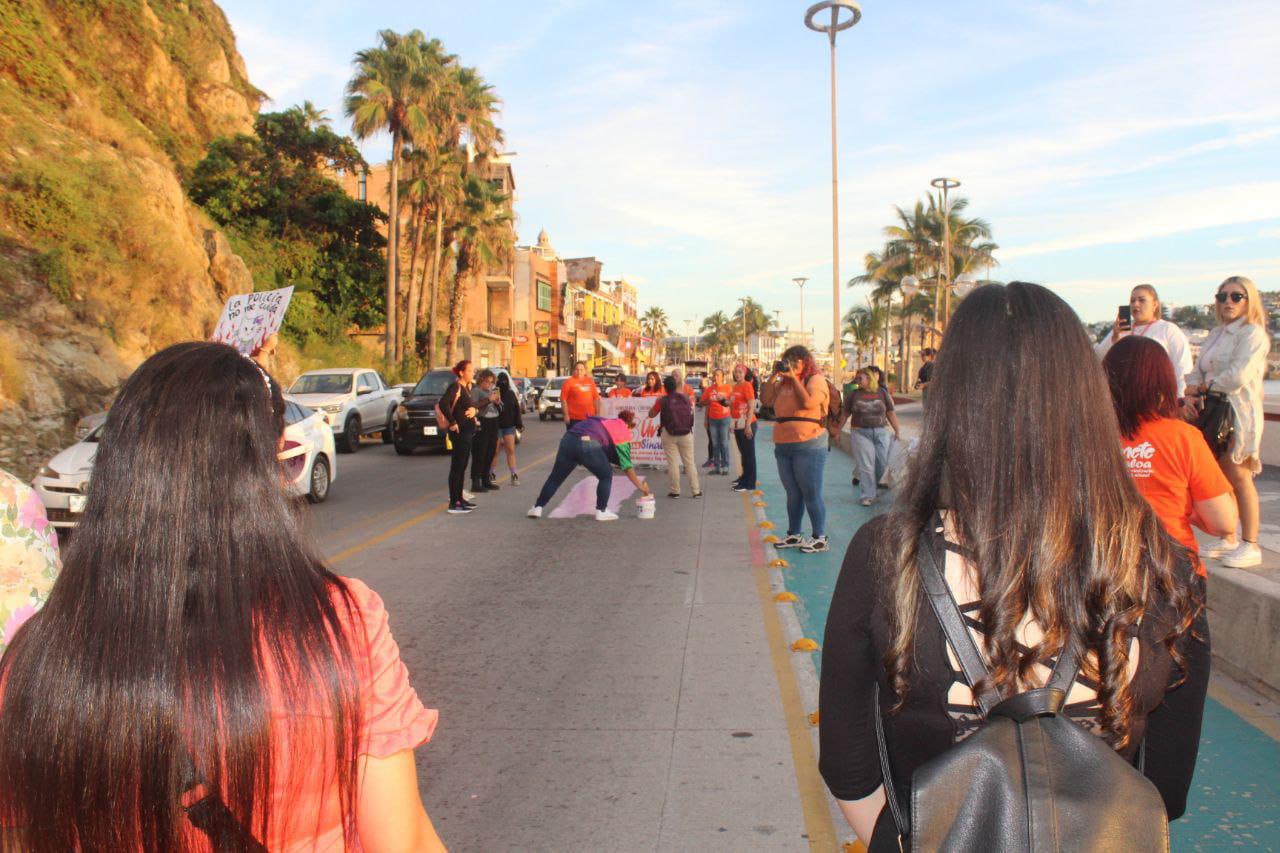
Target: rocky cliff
{"points": [[104, 105]]}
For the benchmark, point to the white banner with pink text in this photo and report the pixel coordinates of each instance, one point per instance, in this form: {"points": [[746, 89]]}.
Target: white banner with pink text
{"points": [[646, 444]]}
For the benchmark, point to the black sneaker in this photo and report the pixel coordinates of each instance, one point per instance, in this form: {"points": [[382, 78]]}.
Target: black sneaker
{"points": [[470, 504], [738, 488], [791, 540], [459, 509]]}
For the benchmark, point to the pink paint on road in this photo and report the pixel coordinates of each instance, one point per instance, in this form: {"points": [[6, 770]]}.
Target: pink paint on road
{"points": [[581, 499]]}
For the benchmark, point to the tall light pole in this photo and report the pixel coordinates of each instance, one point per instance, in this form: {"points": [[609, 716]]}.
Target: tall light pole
{"points": [[800, 280], [744, 300], [836, 7], [943, 293]]}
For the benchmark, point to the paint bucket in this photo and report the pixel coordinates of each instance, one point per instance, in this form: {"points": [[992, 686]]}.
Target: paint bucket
{"points": [[647, 506]]}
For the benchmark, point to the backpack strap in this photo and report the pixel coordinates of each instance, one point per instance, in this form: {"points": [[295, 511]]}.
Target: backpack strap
{"points": [[952, 620]]}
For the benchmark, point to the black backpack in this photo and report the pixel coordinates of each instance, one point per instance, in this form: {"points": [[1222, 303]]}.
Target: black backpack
{"points": [[676, 415], [1029, 779]]}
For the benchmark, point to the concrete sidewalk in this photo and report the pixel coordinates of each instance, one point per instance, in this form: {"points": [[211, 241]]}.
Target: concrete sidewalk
{"points": [[602, 686]]}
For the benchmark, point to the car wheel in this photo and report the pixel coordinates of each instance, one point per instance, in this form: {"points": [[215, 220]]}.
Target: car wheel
{"points": [[319, 481], [386, 430], [350, 435], [542, 416]]}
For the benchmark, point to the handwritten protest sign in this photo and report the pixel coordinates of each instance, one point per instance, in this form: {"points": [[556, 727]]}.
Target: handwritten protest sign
{"points": [[646, 444], [250, 318]]}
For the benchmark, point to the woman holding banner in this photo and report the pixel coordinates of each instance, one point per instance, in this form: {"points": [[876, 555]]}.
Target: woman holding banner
{"points": [[596, 444]]}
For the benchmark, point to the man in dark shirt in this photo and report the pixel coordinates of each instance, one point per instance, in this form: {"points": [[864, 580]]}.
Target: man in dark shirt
{"points": [[925, 375]]}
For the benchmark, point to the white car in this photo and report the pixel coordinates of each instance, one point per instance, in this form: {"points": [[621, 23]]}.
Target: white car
{"points": [[354, 400], [549, 405], [310, 464], [308, 459]]}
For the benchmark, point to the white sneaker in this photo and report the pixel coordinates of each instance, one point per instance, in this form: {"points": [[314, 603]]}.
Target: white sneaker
{"points": [[604, 515], [1246, 556], [535, 512], [1218, 548], [467, 496], [814, 545], [791, 540]]}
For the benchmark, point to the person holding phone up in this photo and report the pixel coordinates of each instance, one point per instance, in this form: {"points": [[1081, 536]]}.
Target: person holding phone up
{"points": [[798, 394], [1142, 317]]}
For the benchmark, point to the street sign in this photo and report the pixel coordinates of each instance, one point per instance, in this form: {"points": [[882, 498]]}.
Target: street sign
{"points": [[542, 328], [520, 339]]}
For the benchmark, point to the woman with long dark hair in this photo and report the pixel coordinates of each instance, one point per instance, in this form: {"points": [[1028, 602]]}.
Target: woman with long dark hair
{"points": [[1020, 489], [652, 385], [1168, 458], [456, 415], [799, 397], [510, 423], [198, 679]]}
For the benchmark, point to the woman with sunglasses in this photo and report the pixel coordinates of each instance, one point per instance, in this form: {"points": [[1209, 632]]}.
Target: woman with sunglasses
{"points": [[1233, 360]]}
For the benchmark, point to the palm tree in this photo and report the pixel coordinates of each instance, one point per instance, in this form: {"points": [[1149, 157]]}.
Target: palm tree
{"points": [[485, 237], [314, 117], [862, 324], [654, 324], [720, 334], [386, 93], [751, 318]]}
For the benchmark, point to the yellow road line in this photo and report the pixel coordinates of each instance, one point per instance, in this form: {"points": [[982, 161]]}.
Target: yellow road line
{"points": [[405, 525], [813, 794]]}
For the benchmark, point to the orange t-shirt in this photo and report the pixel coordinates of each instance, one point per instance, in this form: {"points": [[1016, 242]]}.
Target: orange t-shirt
{"points": [[578, 397], [619, 392], [645, 392], [716, 410], [785, 405], [740, 402], [1173, 467]]}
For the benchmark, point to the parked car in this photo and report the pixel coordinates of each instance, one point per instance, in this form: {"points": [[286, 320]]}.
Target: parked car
{"points": [[307, 456], [549, 400], [414, 423], [355, 401]]}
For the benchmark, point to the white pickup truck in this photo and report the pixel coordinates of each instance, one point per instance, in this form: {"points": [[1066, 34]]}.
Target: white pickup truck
{"points": [[355, 401]]}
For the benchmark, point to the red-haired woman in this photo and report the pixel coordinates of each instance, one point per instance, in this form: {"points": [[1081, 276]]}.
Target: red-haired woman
{"points": [[456, 414], [799, 397], [1167, 457]]}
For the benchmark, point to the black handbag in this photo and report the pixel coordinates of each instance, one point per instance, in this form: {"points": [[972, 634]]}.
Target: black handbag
{"points": [[1029, 779], [1216, 421]]}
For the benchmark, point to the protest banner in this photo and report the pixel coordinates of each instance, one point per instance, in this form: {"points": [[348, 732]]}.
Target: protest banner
{"points": [[646, 444], [250, 318]]}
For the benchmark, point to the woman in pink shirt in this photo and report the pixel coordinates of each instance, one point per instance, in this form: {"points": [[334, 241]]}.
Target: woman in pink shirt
{"points": [[198, 680]]}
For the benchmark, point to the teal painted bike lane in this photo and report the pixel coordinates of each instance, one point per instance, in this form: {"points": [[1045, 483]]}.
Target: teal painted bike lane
{"points": [[1234, 802]]}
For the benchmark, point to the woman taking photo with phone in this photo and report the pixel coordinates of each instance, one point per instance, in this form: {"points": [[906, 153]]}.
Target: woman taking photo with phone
{"points": [[798, 394], [1233, 361], [198, 679], [1046, 547]]}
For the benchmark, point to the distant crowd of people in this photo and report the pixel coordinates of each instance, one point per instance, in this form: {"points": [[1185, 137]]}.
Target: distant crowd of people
{"points": [[238, 694]]}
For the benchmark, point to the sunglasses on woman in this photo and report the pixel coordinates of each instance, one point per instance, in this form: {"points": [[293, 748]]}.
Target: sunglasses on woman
{"points": [[1235, 296]]}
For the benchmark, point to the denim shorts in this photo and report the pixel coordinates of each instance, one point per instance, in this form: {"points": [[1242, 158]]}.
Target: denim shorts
{"points": [[508, 431]]}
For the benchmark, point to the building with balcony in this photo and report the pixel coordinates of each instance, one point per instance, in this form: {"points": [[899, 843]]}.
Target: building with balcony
{"points": [[541, 344], [595, 311], [626, 334]]}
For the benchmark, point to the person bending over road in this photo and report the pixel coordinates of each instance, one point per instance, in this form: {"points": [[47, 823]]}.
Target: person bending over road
{"points": [[596, 444]]}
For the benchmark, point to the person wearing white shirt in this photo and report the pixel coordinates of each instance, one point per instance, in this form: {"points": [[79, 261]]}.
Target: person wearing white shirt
{"points": [[1145, 310], [1233, 360]]}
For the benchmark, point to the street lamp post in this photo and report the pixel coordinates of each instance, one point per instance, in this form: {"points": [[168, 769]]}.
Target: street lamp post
{"points": [[800, 280], [943, 293], [836, 7], [744, 300]]}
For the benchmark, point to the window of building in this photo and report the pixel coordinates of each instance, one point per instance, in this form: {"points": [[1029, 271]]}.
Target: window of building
{"points": [[544, 296]]}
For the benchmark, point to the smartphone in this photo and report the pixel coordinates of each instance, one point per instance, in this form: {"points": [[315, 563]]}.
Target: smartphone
{"points": [[1126, 318]]}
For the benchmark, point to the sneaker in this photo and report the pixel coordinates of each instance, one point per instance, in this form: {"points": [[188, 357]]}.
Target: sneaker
{"points": [[605, 515], [1219, 548], [814, 545], [673, 494], [866, 501], [697, 494], [739, 488], [708, 464], [1247, 556], [459, 509], [471, 504], [466, 496], [791, 540], [515, 478], [534, 512]]}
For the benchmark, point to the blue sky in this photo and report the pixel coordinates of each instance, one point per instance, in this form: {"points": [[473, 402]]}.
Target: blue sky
{"points": [[687, 145]]}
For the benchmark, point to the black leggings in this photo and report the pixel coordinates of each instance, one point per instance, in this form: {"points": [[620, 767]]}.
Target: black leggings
{"points": [[458, 460], [484, 448]]}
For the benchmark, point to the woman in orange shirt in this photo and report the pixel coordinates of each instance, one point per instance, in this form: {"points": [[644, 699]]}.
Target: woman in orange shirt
{"points": [[198, 679], [715, 397], [652, 385], [1168, 458], [743, 408], [579, 396]]}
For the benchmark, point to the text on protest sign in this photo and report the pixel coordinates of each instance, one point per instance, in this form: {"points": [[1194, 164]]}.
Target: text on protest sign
{"points": [[250, 318]]}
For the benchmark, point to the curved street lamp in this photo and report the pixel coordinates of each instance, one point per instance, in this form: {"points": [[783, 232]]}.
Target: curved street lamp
{"points": [[946, 185], [844, 14]]}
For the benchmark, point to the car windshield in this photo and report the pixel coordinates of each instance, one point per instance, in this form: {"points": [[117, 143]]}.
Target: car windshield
{"points": [[433, 384], [539, 382], [555, 383], [322, 383]]}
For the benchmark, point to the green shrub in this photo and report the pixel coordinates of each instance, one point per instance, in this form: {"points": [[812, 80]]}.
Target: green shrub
{"points": [[52, 267]]}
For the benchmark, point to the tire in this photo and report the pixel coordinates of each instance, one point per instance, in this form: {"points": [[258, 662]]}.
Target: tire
{"points": [[386, 430], [542, 416], [350, 441], [320, 480]]}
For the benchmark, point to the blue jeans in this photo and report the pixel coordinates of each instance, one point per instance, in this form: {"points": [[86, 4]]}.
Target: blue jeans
{"points": [[800, 467], [574, 451], [747, 450], [870, 457], [720, 441]]}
